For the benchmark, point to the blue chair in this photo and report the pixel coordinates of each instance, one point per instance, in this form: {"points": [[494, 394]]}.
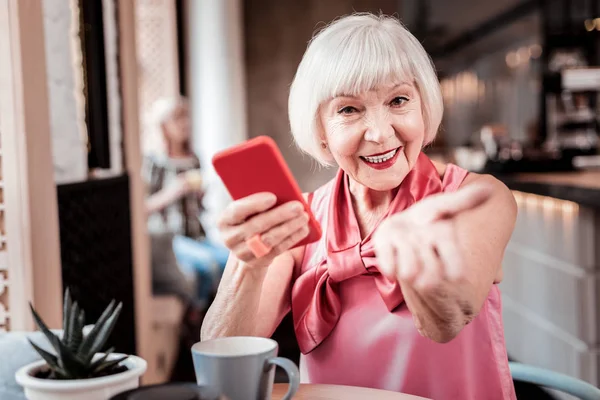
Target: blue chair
{"points": [[554, 380]]}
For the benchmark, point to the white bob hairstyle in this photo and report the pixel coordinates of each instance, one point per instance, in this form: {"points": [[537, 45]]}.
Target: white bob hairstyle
{"points": [[352, 55]]}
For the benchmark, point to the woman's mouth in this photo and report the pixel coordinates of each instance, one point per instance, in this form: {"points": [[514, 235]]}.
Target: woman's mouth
{"points": [[382, 161]]}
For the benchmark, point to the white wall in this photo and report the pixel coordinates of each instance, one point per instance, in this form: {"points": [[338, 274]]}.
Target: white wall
{"points": [[68, 140], [217, 89]]}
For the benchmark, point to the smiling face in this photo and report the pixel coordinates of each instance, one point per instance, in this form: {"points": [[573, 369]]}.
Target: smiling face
{"points": [[375, 136]]}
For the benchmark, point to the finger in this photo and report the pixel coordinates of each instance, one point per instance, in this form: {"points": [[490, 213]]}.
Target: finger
{"points": [[409, 266], [238, 211], [291, 240], [262, 223], [244, 253], [386, 257], [447, 205], [279, 233], [432, 273]]}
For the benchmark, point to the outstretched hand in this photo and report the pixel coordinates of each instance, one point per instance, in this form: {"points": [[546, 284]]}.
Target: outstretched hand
{"points": [[420, 249]]}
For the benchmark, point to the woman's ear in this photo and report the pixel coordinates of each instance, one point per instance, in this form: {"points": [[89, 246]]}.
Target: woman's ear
{"points": [[323, 147]]}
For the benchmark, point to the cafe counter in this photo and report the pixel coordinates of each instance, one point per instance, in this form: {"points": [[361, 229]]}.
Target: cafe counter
{"points": [[551, 285]]}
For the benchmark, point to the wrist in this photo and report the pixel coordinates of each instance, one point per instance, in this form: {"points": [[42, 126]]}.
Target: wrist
{"points": [[180, 189], [244, 272]]}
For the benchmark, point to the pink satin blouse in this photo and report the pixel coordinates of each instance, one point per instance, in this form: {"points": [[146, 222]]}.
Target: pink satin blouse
{"points": [[353, 326]]}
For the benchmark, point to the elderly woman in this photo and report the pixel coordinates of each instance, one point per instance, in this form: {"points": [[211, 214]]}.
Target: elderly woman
{"points": [[400, 293]]}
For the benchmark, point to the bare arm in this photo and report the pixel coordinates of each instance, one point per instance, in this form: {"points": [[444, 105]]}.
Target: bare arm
{"points": [[483, 234], [254, 293], [164, 197], [250, 301], [450, 253]]}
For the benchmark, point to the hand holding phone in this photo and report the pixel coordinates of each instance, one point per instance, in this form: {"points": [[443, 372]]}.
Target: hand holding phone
{"points": [[250, 171]]}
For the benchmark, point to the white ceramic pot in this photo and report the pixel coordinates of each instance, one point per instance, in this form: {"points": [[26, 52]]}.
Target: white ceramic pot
{"points": [[89, 389]]}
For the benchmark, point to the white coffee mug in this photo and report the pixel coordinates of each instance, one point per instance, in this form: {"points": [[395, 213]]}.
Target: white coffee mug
{"points": [[242, 367]]}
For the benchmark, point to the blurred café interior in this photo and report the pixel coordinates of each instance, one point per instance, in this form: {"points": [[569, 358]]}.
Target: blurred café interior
{"points": [[79, 84]]}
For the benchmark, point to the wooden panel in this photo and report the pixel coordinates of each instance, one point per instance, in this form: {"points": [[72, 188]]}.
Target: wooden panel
{"points": [[30, 215], [129, 74]]}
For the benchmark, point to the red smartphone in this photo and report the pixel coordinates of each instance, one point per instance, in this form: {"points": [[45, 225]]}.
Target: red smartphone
{"points": [[257, 165]]}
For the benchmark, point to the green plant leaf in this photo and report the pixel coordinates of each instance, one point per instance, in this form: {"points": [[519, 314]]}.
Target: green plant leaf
{"points": [[52, 338], [59, 374], [76, 329], [86, 345], [71, 364], [81, 321], [109, 364], [50, 358], [67, 306], [101, 359], [102, 330], [68, 328]]}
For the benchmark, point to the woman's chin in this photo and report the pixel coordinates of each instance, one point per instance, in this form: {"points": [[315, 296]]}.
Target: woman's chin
{"points": [[383, 184], [384, 180]]}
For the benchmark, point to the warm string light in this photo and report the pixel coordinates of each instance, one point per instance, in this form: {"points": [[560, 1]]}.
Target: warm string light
{"points": [[463, 87], [523, 55], [545, 203], [466, 87], [591, 24]]}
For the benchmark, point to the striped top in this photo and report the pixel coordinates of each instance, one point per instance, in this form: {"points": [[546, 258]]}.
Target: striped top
{"points": [[183, 216]]}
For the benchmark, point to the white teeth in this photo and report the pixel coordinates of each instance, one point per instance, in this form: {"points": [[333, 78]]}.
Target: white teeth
{"points": [[381, 158]]}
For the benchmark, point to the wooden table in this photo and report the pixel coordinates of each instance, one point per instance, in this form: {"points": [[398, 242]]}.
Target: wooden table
{"points": [[335, 392]]}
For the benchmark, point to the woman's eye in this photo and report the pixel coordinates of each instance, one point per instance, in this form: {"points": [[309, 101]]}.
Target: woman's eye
{"points": [[398, 101], [347, 110]]}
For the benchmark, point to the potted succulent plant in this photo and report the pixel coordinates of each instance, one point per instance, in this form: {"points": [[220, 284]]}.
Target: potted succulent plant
{"points": [[78, 369]]}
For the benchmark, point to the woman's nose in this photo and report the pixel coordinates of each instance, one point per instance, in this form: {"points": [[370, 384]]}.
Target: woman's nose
{"points": [[379, 128]]}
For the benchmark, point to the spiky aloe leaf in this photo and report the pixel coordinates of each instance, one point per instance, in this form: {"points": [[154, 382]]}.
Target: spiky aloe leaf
{"points": [[94, 342], [81, 322], [52, 338], [69, 328], [50, 358], [74, 353], [75, 335], [109, 364], [101, 359], [104, 332], [67, 321], [86, 345], [72, 365]]}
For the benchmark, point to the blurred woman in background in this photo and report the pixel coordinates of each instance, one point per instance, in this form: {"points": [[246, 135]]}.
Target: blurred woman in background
{"points": [[174, 204]]}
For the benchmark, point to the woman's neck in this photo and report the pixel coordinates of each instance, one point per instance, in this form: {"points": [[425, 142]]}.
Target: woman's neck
{"points": [[369, 205]]}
